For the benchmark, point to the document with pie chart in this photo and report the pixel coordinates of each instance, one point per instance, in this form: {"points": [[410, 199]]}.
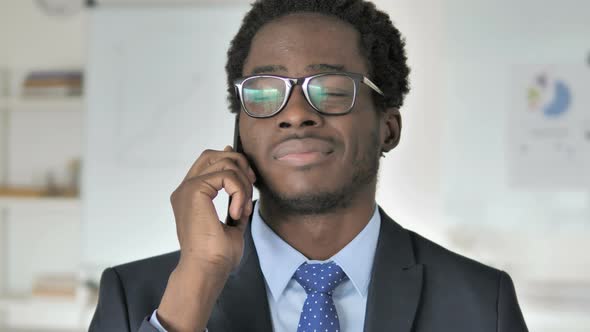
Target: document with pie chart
{"points": [[548, 139]]}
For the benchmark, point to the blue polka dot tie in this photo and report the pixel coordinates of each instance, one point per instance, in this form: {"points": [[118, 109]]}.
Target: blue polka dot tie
{"points": [[319, 281]]}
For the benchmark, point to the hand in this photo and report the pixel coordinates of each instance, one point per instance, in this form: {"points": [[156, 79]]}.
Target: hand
{"points": [[204, 240], [209, 249]]}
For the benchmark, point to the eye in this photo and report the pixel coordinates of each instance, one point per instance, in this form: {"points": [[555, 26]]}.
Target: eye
{"points": [[261, 95], [336, 93]]}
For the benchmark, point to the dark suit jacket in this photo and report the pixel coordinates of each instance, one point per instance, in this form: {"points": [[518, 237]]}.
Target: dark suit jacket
{"points": [[415, 285]]}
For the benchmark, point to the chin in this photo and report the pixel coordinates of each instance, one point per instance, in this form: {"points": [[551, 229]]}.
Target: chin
{"points": [[310, 198], [308, 183], [308, 203]]}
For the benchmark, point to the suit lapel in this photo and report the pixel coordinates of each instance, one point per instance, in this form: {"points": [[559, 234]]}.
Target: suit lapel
{"points": [[396, 281], [243, 300]]}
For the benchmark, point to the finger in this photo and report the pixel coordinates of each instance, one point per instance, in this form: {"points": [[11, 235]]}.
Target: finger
{"points": [[229, 164], [247, 212], [239, 158], [236, 236], [209, 157], [250, 207], [240, 224], [210, 184]]}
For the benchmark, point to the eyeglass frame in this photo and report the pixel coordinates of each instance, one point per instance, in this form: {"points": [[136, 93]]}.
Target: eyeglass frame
{"points": [[290, 83]]}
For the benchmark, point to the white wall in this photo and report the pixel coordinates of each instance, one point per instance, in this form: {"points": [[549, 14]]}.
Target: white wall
{"points": [[156, 100], [31, 38], [409, 187]]}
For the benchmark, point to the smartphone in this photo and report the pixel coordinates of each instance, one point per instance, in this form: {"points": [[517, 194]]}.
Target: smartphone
{"points": [[237, 148]]}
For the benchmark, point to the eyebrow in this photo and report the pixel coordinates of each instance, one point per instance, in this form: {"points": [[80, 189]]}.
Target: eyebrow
{"points": [[268, 69], [313, 67], [324, 67]]}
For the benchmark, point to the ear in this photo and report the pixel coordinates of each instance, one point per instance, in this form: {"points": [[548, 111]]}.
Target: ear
{"points": [[391, 126]]}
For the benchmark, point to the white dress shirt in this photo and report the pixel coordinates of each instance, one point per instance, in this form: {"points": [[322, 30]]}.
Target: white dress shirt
{"points": [[278, 262]]}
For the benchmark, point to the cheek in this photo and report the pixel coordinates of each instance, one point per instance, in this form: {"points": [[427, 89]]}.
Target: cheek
{"points": [[360, 147], [363, 138], [253, 138]]}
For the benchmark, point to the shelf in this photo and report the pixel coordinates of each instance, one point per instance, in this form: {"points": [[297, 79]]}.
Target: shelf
{"points": [[41, 104], [40, 202]]}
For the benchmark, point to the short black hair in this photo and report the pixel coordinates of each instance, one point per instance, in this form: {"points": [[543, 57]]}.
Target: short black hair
{"points": [[380, 43]]}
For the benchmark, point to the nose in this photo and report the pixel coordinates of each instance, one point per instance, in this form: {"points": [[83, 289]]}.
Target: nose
{"points": [[298, 112]]}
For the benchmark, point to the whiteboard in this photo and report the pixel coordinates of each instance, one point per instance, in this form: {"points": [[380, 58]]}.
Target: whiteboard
{"points": [[156, 98]]}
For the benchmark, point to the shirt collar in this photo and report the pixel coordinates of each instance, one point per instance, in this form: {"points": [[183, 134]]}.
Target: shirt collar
{"points": [[278, 260]]}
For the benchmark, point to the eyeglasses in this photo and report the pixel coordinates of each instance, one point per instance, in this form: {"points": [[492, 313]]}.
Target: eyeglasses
{"points": [[333, 93]]}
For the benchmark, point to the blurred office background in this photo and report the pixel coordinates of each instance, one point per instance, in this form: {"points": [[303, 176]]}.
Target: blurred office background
{"points": [[104, 108]]}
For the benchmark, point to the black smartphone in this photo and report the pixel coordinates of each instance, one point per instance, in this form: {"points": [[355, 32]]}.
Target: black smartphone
{"points": [[237, 148]]}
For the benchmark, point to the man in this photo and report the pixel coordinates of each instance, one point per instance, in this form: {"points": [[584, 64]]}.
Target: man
{"points": [[318, 86]]}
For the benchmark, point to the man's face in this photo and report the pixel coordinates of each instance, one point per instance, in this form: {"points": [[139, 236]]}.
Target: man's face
{"points": [[306, 162]]}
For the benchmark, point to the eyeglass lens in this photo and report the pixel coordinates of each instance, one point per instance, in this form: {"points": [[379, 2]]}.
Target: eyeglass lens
{"points": [[332, 94], [263, 95]]}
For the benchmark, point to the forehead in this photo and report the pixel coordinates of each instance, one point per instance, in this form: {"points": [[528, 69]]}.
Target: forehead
{"points": [[298, 43]]}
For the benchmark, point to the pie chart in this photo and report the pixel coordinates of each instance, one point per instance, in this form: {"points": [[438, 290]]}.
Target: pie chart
{"points": [[561, 100]]}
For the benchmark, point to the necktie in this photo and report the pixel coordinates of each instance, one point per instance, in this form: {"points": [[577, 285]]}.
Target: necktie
{"points": [[319, 281]]}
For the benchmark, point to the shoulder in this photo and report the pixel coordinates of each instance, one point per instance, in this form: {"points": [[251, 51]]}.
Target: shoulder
{"points": [[466, 287], [148, 271], [438, 257], [164, 263], [454, 275], [448, 270], [142, 281], [130, 292]]}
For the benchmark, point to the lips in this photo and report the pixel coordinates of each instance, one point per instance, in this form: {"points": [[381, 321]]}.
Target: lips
{"points": [[301, 147]]}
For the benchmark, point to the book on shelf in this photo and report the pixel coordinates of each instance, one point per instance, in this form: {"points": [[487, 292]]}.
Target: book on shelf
{"points": [[45, 76], [52, 92], [55, 286], [53, 83], [21, 192]]}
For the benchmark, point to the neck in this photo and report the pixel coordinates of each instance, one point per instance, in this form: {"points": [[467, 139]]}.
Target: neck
{"points": [[320, 236]]}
